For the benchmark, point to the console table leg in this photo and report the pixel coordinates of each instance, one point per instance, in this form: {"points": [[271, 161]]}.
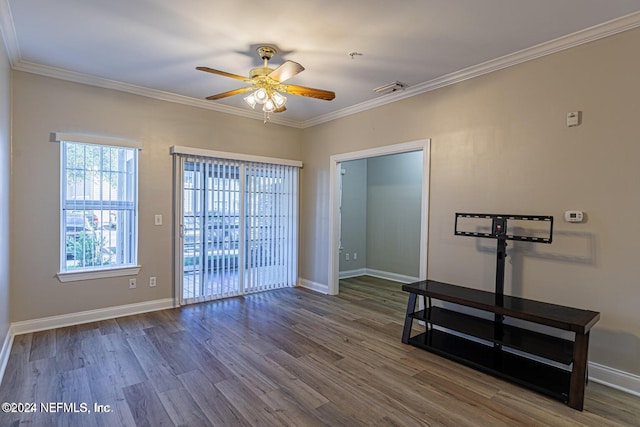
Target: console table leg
{"points": [[408, 320], [579, 371]]}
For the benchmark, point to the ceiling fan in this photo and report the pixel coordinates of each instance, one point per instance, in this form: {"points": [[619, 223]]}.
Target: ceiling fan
{"points": [[268, 83]]}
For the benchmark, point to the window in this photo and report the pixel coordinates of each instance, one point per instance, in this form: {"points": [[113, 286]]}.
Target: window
{"points": [[99, 204]]}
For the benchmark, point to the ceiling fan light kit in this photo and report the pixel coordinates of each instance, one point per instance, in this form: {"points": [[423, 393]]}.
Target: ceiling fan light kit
{"points": [[266, 84]]}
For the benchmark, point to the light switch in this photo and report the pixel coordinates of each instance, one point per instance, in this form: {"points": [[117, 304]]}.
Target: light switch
{"points": [[158, 219]]}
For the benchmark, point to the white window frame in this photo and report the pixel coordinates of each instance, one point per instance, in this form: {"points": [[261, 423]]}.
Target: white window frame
{"points": [[100, 271]]}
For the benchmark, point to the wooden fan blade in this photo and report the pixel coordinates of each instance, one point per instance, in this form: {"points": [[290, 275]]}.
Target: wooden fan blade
{"points": [[223, 73], [230, 93], [286, 71], [280, 110], [327, 95]]}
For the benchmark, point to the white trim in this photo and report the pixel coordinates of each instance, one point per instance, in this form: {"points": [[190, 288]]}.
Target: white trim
{"points": [[5, 352], [95, 139], [606, 29], [395, 277], [177, 241], [8, 33], [73, 76], [424, 212], [611, 377], [74, 276], [614, 378], [386, 150], [423, 145], [352, 273], [53, 322], [202, 152], [587, 35], [314, 286]]}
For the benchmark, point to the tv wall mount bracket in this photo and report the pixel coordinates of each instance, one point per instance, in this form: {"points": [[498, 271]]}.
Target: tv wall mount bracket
{"points": [[501, 232]]}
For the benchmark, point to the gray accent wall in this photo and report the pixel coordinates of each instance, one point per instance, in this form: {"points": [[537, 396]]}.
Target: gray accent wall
{"points": [[380, 214], [353, 225], [394, 193]]}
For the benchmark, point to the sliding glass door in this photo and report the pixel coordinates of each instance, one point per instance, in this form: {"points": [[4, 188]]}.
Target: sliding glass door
{"points": [[238, 227], [271, 227]]}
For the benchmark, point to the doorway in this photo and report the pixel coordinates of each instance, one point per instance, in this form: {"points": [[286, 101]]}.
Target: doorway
{"points": [[422, 146], [380, 217]]}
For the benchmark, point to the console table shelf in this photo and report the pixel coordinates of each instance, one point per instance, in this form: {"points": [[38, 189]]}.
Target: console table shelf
{"points": [[549, 347], [545, 379], [515, 353]]}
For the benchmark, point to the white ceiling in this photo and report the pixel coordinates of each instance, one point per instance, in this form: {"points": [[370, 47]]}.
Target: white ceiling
{"points": [[151, 47]]}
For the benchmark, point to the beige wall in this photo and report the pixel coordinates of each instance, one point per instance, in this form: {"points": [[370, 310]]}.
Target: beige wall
{"points": [[5, 177], [43, 105], [499, 144]]}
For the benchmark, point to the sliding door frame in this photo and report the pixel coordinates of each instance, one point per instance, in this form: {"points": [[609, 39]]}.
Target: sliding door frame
{"points": [[178, 208]]}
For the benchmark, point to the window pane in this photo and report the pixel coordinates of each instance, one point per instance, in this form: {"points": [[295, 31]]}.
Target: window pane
{"points": [[99, 205]]}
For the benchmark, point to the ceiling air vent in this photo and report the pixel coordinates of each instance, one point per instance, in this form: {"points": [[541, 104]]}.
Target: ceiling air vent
{"points": [[391, 87]]}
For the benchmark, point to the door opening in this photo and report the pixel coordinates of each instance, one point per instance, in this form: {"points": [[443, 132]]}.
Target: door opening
{"points": [[422, 146]]}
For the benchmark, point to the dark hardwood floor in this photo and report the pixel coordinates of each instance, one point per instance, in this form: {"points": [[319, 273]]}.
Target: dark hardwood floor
{"points": [[285, 357]]}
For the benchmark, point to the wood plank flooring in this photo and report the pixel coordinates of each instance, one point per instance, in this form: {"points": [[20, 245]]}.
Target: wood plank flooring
{"points": [[286, 357]]}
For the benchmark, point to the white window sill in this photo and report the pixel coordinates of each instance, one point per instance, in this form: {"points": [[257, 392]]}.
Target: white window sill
{"points": [[74, 276]]}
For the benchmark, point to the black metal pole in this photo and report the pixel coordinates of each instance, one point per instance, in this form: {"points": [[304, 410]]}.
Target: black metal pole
{"points": [[501, 255], [500, 261]]}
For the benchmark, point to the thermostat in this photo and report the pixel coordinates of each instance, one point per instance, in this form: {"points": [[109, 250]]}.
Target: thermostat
{"points": [[574, 118], [573, 216]]}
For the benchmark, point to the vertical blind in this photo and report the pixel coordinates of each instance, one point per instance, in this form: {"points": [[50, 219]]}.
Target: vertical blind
{"points": [[271, 224], [239, 227]]}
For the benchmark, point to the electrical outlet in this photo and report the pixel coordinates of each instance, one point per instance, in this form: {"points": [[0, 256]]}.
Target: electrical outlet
{"points": [[346, 256], [152, 281], [132, 283], [355, 256]]}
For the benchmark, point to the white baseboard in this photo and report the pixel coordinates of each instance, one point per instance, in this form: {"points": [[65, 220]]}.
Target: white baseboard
{"points": [[5, 352], [314, 286], [35, 325], [611, 377], [614, 378], [45, 323], [391, 276], [352, 273]]}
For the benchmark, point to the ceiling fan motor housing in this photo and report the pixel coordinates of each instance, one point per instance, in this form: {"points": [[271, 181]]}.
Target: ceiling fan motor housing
{"points": [[270, 80], [260, 72]]}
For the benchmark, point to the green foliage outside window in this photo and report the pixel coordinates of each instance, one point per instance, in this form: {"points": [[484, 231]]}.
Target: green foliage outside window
{"points": [[86, 249]]}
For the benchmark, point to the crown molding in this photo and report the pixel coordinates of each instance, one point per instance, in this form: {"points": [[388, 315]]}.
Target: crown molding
{"points": [[8, 33], [596, 32], [76, 77]]}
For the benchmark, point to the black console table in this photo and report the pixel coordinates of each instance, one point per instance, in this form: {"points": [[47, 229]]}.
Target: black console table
{"points": [[514, 353]]}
